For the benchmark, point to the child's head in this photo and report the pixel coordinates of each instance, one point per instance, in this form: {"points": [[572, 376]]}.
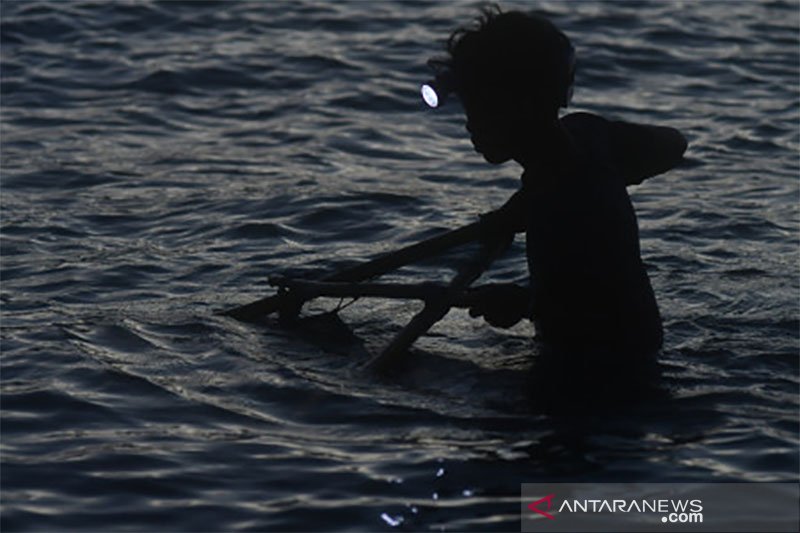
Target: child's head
{"points": [[512, 72]]}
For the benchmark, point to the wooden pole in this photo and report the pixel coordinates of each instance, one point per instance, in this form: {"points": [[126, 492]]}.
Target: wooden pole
{"points": [[435, 310], [376, 267], [401, 291]]}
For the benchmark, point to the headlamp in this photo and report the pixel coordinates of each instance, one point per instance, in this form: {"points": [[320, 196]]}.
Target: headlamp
{"points": [[429, 94], [435, 92]]}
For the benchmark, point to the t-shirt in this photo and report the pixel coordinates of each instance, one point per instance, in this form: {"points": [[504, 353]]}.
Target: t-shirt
{"points": [[588, 283]]}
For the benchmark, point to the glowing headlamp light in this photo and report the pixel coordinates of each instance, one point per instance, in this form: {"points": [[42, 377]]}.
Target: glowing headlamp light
{"points": [[436, 90], [429, 94]]}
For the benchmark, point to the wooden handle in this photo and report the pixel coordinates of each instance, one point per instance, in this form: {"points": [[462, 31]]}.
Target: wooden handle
{"points": [[376, 267], [435, 310], [393, 291]]}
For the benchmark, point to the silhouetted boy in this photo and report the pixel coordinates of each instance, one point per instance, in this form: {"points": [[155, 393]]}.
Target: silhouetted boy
{"points": [[589, 296]]}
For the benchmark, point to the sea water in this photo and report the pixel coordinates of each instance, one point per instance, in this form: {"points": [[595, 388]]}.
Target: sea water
{"points": [[160, 160]]}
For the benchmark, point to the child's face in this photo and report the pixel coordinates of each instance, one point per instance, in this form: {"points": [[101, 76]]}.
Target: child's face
{"points": [[490, 138], [496, 131], [505, 128]]}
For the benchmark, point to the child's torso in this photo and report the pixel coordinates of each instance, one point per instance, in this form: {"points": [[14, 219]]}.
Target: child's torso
{"points": [[589, 283]]}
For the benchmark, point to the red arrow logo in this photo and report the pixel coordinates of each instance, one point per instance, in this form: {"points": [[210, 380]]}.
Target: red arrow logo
{"points": [[535, 506]]}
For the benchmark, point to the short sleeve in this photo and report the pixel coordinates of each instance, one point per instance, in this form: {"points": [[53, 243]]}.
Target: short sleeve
{"points": [[642, 151]]}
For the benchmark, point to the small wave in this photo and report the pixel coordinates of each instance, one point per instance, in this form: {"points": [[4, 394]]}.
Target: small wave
{"points": [[193, 81], [62, 178]]}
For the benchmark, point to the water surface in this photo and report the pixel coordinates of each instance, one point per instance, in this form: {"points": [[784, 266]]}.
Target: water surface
{"points": [[161, 160]]}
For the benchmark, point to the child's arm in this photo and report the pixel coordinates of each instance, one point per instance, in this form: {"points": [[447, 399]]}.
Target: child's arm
{"points": [[645, 151], [509, 219]]}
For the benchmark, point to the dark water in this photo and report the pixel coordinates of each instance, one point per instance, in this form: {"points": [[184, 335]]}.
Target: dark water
{"points": [[161, 160]]}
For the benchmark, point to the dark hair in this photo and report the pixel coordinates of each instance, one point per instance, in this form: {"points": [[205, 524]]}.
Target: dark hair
{"points": [[509, 55]]}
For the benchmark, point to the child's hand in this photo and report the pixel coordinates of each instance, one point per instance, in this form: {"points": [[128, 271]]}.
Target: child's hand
{"points": [[502, 304]]}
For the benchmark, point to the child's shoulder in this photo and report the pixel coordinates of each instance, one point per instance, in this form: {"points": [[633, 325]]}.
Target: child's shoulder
{"points": [[638, 151], [591, 134], [583, 118], [607, 131]]}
